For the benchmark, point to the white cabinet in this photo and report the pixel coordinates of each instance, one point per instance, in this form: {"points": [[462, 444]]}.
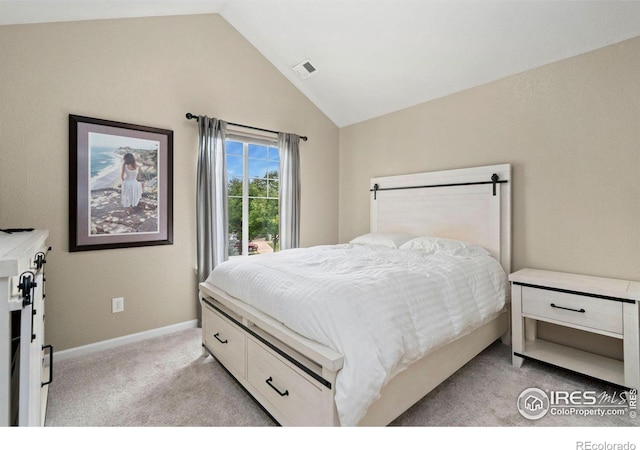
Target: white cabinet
{"points": [[602, 306], [25, 360]]}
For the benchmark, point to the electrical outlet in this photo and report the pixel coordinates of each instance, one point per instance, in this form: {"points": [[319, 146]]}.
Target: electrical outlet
{"points": [[117, 304]]}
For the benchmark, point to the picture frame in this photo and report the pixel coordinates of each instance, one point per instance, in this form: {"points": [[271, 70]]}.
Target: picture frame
{"points": [[120, 185]]}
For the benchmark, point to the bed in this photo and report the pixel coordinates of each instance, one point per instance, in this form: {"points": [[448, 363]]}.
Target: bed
{"points": [[356, 333]]}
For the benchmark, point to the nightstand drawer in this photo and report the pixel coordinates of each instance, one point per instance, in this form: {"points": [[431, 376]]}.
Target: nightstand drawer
{"points": [[595, 313]]}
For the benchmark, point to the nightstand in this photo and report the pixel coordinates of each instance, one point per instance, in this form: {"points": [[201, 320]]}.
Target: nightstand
{"points": [[597, 305]]}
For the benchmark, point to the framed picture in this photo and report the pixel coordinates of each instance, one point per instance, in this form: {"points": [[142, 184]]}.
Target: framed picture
{"points": [[120, 185]]}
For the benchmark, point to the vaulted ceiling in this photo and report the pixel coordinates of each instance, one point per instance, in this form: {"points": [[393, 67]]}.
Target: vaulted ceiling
{"points": [[377, 56]]}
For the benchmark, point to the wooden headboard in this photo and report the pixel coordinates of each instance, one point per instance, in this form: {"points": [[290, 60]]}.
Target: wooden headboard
{"points": [[471, 205]]}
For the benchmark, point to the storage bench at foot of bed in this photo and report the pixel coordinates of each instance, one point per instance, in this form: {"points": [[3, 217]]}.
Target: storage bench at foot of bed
{"points": [[287, 384]]}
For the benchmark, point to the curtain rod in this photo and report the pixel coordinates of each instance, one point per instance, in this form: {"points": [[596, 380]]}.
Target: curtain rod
{"points": [[193, 116]]}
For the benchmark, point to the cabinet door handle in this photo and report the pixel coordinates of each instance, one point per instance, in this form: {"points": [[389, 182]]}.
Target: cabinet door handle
{"points": [[50, 347], [581, 310], [282, 394], [217, 336]]}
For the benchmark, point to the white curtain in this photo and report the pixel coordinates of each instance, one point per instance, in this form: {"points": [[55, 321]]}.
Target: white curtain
{"points": [[289, 144], [211, 208]]}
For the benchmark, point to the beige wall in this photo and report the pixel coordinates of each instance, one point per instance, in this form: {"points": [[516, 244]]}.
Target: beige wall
{"points": [[571, 131], [149, 72]]}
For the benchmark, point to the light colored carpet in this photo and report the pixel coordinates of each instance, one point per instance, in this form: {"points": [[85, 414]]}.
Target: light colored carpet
{"points": [[162, 381], [166, 382]]}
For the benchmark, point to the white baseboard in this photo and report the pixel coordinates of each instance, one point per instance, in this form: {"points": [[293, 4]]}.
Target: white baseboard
{"points": [[129, 339]]}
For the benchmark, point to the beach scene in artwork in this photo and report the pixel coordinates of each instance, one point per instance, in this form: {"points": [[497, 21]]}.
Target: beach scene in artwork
{"points": [[108, 213]]}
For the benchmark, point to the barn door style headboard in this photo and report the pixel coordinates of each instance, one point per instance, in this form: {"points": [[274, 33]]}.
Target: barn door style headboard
{"points": [[471, 205]]}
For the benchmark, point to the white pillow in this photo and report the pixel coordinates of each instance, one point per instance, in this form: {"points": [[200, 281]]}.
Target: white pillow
{"points": [[391, 240], [442, 246]]}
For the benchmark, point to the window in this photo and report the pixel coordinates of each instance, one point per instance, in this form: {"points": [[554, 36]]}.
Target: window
{"points": [[253, 168]]}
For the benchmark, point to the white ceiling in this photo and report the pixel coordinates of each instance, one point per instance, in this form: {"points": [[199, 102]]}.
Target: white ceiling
{"points": [[378, 56]]}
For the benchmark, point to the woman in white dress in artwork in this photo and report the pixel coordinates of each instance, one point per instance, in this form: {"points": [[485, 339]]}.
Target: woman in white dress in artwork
{"points": [[131, 187]]}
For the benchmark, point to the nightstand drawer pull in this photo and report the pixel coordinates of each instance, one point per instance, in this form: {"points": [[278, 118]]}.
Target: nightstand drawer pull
{"points": [[221, 341], [282, 394], [581, 310]]}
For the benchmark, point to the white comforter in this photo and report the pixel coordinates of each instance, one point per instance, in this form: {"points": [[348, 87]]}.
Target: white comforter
{"points": [[381, 308]]}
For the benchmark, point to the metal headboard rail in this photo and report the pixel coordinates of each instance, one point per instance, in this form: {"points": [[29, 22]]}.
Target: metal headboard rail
{"points": [[495, 179]]}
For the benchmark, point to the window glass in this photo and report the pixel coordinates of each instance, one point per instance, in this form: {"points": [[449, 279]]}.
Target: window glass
{"points": [[257, 151], [274, 154], [252, 175], [233, 147], [235, 167], [235, 226], [257, 168]]}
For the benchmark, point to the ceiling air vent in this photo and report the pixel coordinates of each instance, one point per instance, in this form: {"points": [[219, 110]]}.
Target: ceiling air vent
{"points": [[305, 69]]}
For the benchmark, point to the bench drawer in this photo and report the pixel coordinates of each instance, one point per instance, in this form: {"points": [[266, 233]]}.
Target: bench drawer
{"points": [[225, 340], [295, 396]]}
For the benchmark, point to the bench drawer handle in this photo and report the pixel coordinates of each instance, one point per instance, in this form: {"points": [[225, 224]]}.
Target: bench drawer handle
{"points": [[282, 394], [218, 338], [581, 310]]}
